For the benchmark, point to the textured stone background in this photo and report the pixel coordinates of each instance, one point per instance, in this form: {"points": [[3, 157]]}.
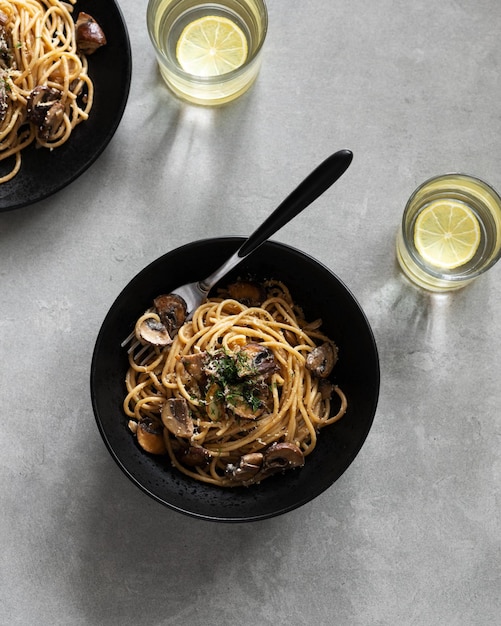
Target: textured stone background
{"points": [[411, 533]]}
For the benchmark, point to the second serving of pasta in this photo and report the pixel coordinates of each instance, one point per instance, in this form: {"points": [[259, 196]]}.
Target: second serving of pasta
{"points": [[236, 394], [45, 88]]}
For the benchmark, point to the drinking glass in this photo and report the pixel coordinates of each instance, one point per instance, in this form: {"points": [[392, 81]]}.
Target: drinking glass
{"points": [[208, 52], [450, 232]]}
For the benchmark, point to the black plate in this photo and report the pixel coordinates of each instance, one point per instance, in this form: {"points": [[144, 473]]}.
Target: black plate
{"points": [[321, 294], [43, 172]]}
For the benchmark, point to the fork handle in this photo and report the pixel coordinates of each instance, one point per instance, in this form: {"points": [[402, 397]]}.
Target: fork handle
{"points": [[305, 193]]}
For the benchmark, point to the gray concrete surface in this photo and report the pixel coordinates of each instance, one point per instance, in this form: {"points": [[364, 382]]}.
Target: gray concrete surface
{"points": [[411, 533]]}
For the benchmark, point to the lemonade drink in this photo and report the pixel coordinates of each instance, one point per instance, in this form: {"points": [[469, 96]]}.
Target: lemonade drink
{"points": [[450, 233], [208, 52]]}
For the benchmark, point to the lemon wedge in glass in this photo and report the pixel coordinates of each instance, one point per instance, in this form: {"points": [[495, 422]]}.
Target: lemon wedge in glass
{"points": [[211, 46], [447, 234]]}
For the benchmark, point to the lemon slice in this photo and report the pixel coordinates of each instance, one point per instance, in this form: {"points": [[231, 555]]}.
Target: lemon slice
{"points": [[447, 234], [210, 46]]}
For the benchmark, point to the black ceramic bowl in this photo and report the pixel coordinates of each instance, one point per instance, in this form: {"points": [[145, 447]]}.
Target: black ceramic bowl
{"points": [[321, 294]]}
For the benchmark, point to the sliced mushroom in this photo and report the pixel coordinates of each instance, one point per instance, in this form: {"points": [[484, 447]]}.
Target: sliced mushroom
{"points": [[291, 337], [89, 34], [154, 332], [150, 436], [246, 292], [262, 390], [172, 312], [247, 468], [255, 359], [255, 467], [310, 326], [44, 109], [239, 405], [249, 401], [194, 365], [5, 49], [39, 101], [195, 456], [52, 120], [4, 96], [322, 359], [326, 388], [132, 424], [281, 456], [176, 417]]}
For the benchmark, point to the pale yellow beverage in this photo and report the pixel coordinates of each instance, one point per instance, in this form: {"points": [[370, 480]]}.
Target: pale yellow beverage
{"points": [[208, 52], [450, 232]]}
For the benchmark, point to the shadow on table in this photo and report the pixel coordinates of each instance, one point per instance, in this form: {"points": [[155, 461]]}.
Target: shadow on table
{"points": [[402, 313], [137, 562]]}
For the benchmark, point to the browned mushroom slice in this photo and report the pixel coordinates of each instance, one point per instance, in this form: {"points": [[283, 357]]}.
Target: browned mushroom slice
{"points": [[52, 120], [150, 436], [154, 333], [291, 337], [326, 388], [89, 34], [239, 405], [194, 364], [6, 56], [255, 359], [172, 312], [279, 457], [282, 456], [322, 359], [195, 456], [176, 417], [39, 101], [249, 401], [246, 292], [247, 468], [4, 96], [44, 109]]}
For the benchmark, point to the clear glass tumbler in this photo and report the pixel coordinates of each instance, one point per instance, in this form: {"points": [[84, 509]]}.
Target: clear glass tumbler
{"points": [[208, 52], [450, 232]]}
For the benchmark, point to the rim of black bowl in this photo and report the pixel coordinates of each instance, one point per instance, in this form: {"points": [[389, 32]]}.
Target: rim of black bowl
{"points": [[358, 374]]}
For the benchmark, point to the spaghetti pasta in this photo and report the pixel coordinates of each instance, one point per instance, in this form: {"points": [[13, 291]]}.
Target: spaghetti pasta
{"points": [[45, 89], [239, 394]]}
